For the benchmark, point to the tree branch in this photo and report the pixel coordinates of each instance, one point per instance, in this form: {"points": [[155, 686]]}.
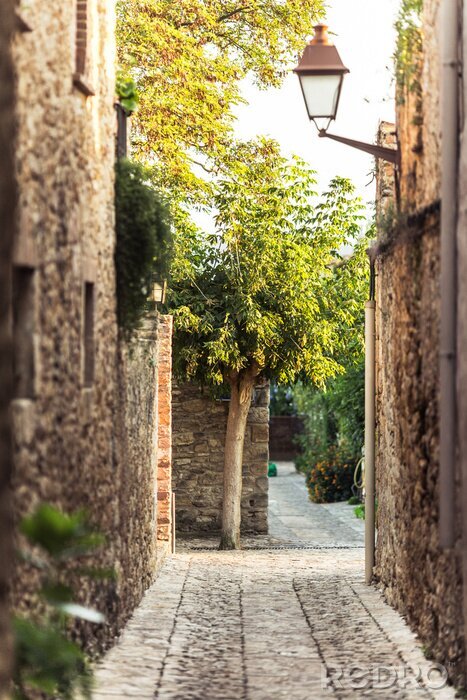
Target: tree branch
{"points": [[221, 18], [237, 11], [196, 162]]}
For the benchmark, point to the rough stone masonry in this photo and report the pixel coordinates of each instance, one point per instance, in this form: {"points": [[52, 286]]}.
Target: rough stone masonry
{"points": [[199, 425], [271, 624], [85, 412], [422, 581]]}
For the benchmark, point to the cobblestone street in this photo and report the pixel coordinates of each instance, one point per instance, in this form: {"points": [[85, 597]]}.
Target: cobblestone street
{"points": [[287, 617]]}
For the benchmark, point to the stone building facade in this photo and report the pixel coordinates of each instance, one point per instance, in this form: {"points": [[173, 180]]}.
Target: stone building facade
{"points": [[422, 580], [7, 229], [85, 413], [199, 427]]}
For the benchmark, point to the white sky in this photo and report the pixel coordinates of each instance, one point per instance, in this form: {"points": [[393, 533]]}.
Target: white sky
{"points": [[363, 31]]}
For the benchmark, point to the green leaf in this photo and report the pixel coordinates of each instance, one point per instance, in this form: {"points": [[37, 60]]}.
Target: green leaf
{"points": [[98, 573], [127, 93], [56, 593], [61, 535], [47, 661]]}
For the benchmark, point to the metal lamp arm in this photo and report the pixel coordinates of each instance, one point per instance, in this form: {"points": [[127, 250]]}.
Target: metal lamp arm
{"points": [[392, 155]]}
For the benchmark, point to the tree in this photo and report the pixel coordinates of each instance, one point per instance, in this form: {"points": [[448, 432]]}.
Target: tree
{"points": [[8, 195], [254, 299], [187, 59]]}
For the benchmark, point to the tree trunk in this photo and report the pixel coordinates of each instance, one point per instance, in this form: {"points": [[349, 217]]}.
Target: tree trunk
{"points": [[7, 224], [239, 406]]}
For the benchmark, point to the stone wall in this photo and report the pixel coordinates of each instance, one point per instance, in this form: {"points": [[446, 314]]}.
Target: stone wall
{"points": [[85, 413], [422, 581], [199, 425], [7, 219], [136, 442]]}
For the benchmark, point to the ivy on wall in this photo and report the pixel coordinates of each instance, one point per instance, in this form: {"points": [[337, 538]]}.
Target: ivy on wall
{"points": [[142, 253], [409, 46]]}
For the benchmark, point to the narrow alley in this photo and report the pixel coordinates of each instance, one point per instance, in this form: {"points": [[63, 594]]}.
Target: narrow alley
{"points": [[233, 239], [287, 617]]}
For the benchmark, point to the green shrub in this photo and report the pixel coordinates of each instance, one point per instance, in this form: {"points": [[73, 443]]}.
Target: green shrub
{"points": [[144, 240], [47, 663], [333, 434], [360, 511], [353, 501], [331, 479]]}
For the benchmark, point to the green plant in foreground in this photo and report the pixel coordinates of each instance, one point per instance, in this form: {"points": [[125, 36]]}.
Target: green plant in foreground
{"points": [[46, 660]]}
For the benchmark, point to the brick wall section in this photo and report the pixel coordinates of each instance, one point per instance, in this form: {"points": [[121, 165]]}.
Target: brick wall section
{"points": [[81, 35], [199, 425], [164, 458]]}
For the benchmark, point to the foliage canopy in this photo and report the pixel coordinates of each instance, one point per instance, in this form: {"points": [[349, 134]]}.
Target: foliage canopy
{"points": [[188, 59], [268, 289]]}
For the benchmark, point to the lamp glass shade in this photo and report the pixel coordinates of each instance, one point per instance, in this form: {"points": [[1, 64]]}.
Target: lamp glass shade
{"points": [[321, 73], [158, 292], [321, 94]]}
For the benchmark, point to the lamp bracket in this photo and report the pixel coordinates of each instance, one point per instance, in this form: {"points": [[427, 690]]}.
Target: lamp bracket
{"points": [[392, 155]]}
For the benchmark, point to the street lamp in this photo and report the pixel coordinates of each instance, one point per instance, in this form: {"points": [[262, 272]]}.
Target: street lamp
{"points": [[321, 74], [158, 292]]}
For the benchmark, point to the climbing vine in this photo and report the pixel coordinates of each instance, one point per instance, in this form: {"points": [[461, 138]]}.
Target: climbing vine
{"points": [[407, 57]]}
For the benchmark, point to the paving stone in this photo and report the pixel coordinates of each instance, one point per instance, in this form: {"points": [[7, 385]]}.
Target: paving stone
{"points": [[270, 624]]}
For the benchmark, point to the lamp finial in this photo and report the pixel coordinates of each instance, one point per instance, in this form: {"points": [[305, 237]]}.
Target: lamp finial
{"points": [[321, 35]]}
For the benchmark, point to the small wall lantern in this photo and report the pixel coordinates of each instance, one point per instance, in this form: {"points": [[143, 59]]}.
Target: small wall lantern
{"points": [[158, 292], [321, 74]]}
